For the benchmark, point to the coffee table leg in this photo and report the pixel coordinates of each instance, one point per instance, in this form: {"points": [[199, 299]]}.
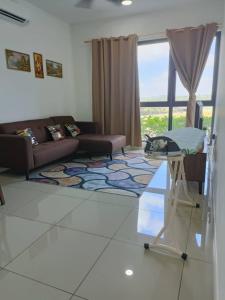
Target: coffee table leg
{"points": [[2, 200]]}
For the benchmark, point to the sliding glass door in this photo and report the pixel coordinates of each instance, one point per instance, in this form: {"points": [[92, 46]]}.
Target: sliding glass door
{"points": [[163, 99]]}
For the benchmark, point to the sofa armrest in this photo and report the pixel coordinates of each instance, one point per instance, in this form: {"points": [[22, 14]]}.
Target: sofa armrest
{"points": [[16, 152], [87, 127]]}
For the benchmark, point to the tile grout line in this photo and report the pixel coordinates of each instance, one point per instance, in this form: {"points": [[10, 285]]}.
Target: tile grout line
{"points": [[40, 222], [201, 260], [57, 193], [120, 205], [111, 239], [193, 219], [28, 219], [60, 186], [123, 222], [14, 214], [72, 296], [180, 283], [56, 226], [82, 202], [73, 209], [35, 280], [98, 258], [92, 267], [189, 228], [85, 232], [91, 233], [38, 238], [67, 228], [22, 206], [40, 282], [183, 264], [6, 213], [52, 226], [137, 244], [86, 198]]}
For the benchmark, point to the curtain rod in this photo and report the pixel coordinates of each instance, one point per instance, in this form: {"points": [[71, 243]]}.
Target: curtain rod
{"points": [[160, 33]]}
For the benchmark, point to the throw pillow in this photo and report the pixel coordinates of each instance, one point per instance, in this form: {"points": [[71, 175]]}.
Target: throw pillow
{"points": [[27, 132], [73, 129], [56, 132]]}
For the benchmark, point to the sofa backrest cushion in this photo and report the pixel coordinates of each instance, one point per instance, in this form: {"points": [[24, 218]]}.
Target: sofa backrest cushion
{"points": [[62, 120], [38, 128]]}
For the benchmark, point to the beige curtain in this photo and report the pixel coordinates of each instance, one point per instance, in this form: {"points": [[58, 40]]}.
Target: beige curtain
{"points": [[189, 49], [115, 89]]}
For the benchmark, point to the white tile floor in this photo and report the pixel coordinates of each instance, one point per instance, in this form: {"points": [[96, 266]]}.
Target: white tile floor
{"points": [[68, 244]]}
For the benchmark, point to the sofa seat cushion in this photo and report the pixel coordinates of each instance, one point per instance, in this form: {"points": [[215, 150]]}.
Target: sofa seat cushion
{"points": [[53, 150], [98, 143]]}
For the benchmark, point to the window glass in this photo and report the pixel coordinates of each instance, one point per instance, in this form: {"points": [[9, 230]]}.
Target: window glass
{"points": [[154, 77], [153, 64], [154, 120], [207, 118], [179, 117]]}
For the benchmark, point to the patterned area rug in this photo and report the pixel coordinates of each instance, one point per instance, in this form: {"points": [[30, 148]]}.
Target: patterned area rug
{"points": [[125, 175]]}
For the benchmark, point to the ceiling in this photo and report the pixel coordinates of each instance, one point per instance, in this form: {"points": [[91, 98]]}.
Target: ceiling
{"points": [[103, 9]]}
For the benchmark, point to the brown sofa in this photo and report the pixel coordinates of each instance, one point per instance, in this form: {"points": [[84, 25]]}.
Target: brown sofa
{"points": [[89, 139], [18, 154]]}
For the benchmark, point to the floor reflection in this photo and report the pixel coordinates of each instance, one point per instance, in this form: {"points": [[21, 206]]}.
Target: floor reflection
{"points": [[198, 239], [150, 222], [154, 207], [153, 203], [161, 179]]}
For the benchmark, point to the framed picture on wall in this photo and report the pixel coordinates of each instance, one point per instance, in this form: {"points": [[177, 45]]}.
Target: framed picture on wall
{"points": [[54, 69], [38, 65], [17, 61]]}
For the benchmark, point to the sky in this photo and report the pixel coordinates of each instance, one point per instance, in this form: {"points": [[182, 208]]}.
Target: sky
{"points": [[153, 63]]}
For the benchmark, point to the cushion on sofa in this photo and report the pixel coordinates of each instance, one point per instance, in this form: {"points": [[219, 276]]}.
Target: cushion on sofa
{"points": [[84, 126], [28, 133], [97, 143], [53, 150], [72, 129], [56, 132], [62, 120], [38, 128]]}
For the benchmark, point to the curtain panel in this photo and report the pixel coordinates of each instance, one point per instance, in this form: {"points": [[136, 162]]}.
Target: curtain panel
{"points": [[190, 49], [115, 87]]}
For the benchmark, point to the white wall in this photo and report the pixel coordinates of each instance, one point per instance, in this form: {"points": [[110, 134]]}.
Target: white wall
{"points": [[142, 24], [219, 198], [22, 96]]}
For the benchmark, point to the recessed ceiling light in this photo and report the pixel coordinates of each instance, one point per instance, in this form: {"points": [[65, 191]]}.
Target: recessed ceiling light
{"points": [[129, 272], [126, 2]]}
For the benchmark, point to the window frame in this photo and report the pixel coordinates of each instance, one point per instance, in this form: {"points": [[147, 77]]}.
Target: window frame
{"points": [[171, 93]]}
